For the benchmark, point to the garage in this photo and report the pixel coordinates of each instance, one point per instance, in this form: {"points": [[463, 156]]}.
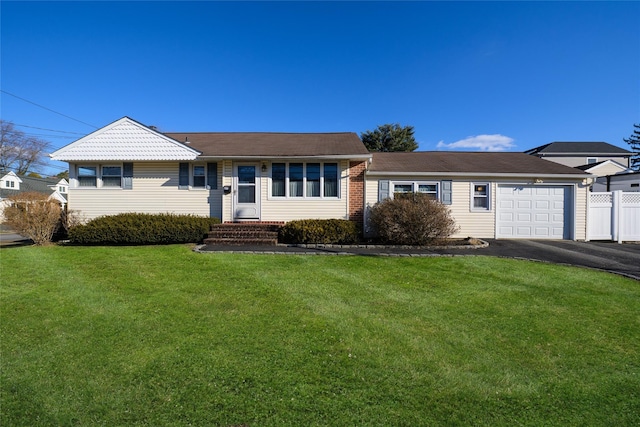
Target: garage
{"points": [[534, 212]]}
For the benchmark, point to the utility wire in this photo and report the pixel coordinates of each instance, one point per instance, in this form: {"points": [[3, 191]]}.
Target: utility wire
{"points": [[50, 130], [48, 109]]}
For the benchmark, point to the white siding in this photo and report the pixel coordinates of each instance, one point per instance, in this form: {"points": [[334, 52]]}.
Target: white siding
{"points": [[155, 190], [480, 224]]}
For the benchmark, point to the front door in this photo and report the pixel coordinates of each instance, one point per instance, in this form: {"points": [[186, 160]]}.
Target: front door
{"points": [[246, 192]]}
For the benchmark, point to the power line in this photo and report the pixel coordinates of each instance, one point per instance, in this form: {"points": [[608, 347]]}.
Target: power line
{"points": [[50, 130], [49, 135], [48, 109]]}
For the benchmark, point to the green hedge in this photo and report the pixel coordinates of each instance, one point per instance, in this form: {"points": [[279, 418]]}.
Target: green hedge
{"points": [[327, 231], [142, 229]]}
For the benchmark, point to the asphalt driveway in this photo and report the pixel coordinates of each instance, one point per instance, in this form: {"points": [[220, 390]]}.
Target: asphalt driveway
{"points": [[609, 256]]}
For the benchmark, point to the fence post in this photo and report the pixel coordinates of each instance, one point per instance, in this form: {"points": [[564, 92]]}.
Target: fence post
{"points": [[617, 215]]}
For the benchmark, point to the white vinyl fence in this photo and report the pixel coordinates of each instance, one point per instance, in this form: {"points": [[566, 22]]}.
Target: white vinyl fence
{"points": [[614, 216]]}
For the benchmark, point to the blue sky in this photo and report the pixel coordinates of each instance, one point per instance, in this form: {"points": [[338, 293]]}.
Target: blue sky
{"points": [[467, 75]]}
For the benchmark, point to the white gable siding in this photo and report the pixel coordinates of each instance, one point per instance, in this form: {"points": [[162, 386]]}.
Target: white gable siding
{"points": [[155, 190], [124, 140]]}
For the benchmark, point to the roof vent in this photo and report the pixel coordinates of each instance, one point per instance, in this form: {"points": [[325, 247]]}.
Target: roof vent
{"points": [[186, 140]]}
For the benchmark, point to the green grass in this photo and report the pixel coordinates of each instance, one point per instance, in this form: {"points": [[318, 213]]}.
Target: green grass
{"points": [[154, 336]]}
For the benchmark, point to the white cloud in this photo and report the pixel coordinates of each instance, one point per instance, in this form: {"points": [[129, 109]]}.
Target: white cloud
{"points": [[494, 142]]}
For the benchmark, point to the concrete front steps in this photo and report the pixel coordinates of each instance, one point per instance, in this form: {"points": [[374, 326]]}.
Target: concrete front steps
{"points": [[244, 233]]}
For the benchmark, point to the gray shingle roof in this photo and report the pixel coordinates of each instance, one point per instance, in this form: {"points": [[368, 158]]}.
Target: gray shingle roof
{"points": [[452, 162], [30, 184], [579, 148], [273, 144]]}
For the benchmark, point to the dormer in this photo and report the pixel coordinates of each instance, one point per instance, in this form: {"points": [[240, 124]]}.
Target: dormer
{"points": [[10, 181]]}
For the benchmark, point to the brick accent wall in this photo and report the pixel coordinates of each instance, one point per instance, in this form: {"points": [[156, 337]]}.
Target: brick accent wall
{"points": [[356, 191]]}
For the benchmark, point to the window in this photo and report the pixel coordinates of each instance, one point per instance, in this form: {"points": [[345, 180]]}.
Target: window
{"points": [[278, 179], [87, 176], [402, 188], [480, 196], [111, 176], [296, 178], [309, 180], [430, 188], [330, 180], [62, 189], [592, 160], [198, 176], [313, 179]]}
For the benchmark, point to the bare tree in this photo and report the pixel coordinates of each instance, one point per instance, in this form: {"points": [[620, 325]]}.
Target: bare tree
{"points": [[18, 151]]}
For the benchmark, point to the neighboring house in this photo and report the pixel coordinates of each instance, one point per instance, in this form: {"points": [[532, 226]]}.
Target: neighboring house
{"points": [[277, 177], [12, 185], [604, 168], [491, 195], [581, 153], [626, 181]]}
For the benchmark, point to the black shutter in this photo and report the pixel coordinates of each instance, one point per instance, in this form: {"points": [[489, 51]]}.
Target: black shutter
{"points": [[183, 179], [127, 176], [212, 176]]}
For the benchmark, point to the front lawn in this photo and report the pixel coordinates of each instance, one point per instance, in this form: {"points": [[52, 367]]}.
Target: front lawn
{"points": [[157, 336]]}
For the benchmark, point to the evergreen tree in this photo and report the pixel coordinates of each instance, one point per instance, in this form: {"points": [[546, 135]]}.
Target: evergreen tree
{"points": [[634, 142], [390, 138]]}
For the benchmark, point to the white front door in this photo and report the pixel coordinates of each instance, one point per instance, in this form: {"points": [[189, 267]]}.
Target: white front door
{"points": [[246, 192]]}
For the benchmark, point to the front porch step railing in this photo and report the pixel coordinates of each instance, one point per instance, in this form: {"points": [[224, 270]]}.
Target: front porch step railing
{"points": [[244, 233]]}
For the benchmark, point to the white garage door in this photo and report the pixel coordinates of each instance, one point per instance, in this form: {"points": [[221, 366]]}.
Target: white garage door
{"points": [[534, 212]]}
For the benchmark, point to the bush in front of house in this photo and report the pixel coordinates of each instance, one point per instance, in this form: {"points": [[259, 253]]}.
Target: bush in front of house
{"points": [[326, 231], [411, 219], [142, 229], [33, 215]]}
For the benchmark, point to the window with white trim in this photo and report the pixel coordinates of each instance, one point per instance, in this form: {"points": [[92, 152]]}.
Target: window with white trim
{"points": [[424, 187], [304, 180], [111, 176], [87, 176], [480, 196]]}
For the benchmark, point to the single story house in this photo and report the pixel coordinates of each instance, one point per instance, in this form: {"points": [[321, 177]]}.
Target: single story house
{"points": [[278, 177]]}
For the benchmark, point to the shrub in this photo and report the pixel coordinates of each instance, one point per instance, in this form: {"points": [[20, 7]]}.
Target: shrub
{"points": [[142, 229], [328, 231], [413, 219], [33, 215]]}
